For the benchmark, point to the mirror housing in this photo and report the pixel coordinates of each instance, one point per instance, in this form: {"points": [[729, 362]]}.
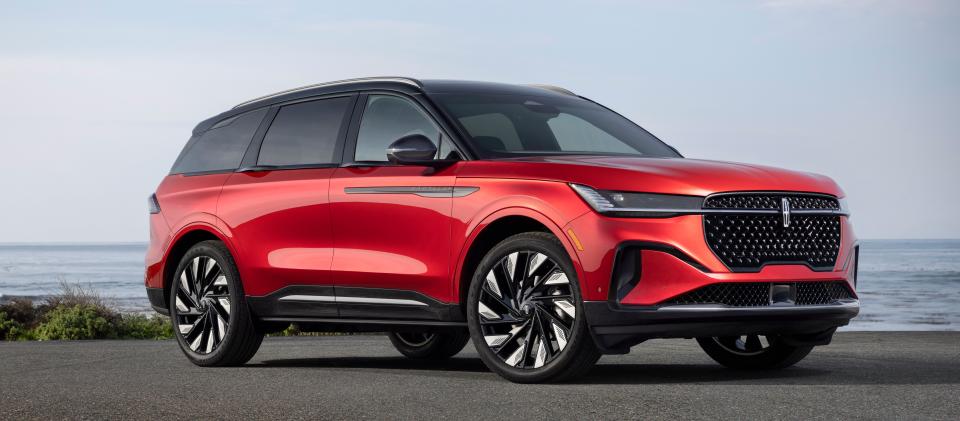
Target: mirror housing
{"points": [[414, 149]]}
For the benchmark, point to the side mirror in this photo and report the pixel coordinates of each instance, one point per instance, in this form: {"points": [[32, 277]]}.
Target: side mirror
{"points": [[415, 149]]}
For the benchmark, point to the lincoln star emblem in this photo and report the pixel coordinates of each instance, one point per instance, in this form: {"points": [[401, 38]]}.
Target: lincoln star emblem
{"points": [[786, 212]]}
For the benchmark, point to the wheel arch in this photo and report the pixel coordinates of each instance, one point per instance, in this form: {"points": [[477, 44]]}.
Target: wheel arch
{"points": [[495, 228], [186, 238]]}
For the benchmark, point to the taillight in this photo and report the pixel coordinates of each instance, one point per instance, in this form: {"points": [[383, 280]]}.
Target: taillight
{"points": [[153, 204]]}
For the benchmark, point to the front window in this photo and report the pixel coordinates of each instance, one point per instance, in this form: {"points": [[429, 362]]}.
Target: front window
{"points": [[387, 118], [520, 125]]}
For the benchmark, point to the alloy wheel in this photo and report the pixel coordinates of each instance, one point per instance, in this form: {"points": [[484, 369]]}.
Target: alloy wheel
{"points": [[203, 304], [526, 309]]}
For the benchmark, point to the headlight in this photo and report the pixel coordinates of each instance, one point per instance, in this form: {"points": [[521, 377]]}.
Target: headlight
{"points": [[628, 204]]}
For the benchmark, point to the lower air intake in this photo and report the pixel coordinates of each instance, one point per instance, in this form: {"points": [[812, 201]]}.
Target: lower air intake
{"points": [[758, 294]]}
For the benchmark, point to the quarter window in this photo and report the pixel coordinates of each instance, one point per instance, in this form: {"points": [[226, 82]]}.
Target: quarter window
{"points": [[221, 147], [304, 134], [388, 118]]}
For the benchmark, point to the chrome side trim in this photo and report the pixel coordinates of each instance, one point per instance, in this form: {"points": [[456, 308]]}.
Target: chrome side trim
{"points": [[369, 300], [406, 80], [354, 300], [317, 298], [422, 191]]}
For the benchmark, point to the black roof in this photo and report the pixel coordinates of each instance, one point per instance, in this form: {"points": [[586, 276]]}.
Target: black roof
{"points": [[394, 83]]}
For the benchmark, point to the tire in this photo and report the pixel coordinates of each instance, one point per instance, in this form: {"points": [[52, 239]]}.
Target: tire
{"points": [[530, 332], [430, 345], [210, 317], [743, 352]]}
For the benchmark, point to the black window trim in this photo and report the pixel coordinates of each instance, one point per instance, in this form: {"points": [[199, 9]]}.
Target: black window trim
{"points": [[426, 107], [252, 155]]}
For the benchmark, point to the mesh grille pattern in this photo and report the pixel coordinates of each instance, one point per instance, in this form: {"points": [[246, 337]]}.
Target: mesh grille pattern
{"points": [[770, 201], [757, 294], [752, 294], [752, 201], [821, 292], [749, 241]]}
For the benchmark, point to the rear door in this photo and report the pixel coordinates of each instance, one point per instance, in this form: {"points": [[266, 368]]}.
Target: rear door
{"points": [[277, 207]]}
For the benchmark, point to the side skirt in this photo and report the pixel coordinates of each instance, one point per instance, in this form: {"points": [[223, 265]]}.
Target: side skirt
{"points": [[355, 308], [314, 324]]}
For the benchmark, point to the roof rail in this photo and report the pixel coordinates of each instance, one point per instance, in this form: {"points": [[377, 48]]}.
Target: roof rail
{"points": [[398, 79], [556, 89]]}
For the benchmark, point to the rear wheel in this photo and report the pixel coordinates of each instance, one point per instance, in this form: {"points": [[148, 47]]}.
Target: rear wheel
{"points": [[210, 317], [525, 313], [753, 352], [429, 345]]}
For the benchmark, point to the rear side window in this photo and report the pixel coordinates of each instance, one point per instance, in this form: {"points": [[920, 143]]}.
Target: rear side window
{"points": [[304, 133], [221, 147]]}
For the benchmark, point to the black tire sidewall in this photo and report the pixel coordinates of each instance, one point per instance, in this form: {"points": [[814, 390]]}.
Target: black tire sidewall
{"points": [[580, 336], [778, 355], [441, 346], [215, 250]]}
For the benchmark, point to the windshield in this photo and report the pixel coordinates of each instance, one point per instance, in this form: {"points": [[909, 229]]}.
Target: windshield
{"points": [[518, 125]]}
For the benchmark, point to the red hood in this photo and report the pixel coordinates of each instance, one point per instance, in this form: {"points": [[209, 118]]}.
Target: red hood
{"points": [[655, 175]]}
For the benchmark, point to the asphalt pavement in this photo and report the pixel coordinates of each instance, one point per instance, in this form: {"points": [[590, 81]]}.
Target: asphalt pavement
{"points": [[861, 375]]}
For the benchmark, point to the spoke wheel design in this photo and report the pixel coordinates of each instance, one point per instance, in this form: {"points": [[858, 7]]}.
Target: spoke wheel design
{"points": [[526, 309], [744, 344], [202, 304]]}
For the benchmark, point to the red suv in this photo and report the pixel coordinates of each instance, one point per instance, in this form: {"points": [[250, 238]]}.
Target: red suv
{"points": [[541, 225]]}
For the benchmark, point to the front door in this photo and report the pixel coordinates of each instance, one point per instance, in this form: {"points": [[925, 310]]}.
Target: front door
{"points": [[391, 222]]}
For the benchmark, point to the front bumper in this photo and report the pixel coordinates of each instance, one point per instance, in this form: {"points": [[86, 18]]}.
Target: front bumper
{"points": [[673, 258], [616, 328]]}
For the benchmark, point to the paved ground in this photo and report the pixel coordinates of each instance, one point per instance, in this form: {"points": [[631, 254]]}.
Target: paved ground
{"points": [[861, 375]]}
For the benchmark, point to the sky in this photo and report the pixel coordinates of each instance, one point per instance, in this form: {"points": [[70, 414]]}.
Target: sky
{"points": [[97, 99]]}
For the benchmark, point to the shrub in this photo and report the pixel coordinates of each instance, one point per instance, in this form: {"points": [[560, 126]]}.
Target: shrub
{"points": [[9, 328], [78, 322], [72, 295], [292, 330], [21, 310], [139, 326]]}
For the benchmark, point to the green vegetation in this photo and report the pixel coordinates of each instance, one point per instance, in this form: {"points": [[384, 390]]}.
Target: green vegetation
{"points": [[76, 313], [295, 330]]}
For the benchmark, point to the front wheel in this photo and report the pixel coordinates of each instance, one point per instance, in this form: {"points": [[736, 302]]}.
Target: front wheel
{"points": [[753, 352], [210, 317], [525, 313]]}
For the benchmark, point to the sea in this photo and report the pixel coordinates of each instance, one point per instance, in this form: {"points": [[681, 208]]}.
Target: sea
{"points": [[903, 284]]}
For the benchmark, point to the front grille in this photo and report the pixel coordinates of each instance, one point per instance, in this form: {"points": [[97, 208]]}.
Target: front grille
{"points": [[757, 294], [747, 241], [770, 201]]}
